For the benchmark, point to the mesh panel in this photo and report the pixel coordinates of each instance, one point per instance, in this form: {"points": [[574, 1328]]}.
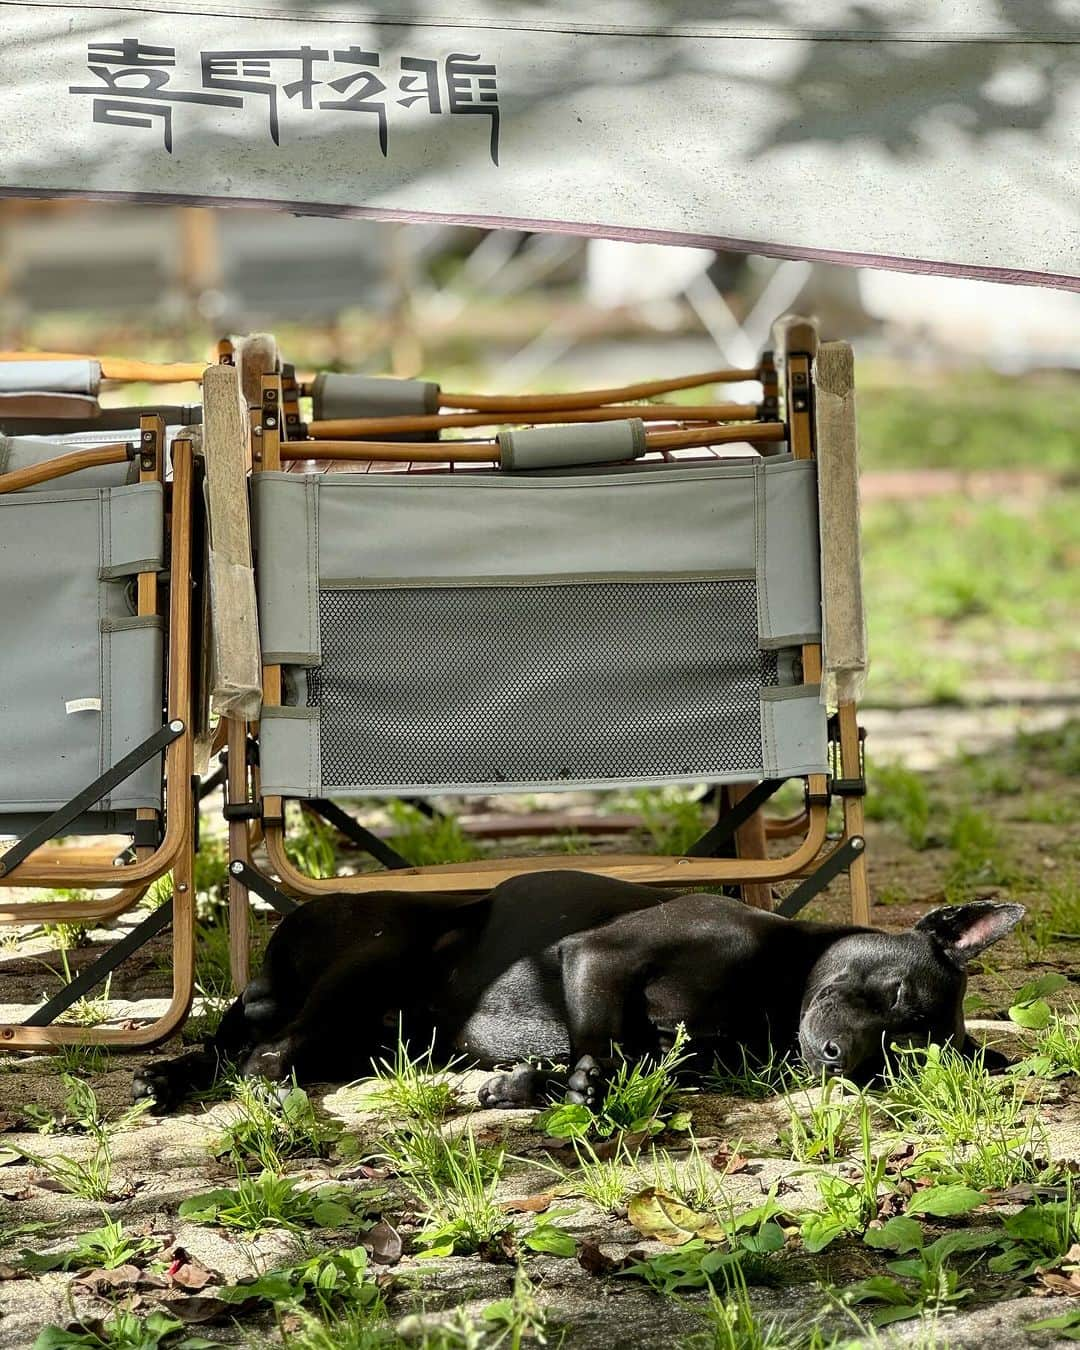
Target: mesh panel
{"points": [[491, 685]]}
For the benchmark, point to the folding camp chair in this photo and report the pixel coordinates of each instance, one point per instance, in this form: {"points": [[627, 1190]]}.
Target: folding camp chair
{"points": [[652, 617], [95, 698]]}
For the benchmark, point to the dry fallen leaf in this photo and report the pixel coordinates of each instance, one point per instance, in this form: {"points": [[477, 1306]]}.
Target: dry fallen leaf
{"points": [[728, 1162], [658, 1215], [1052, 1282], [596, 1262], [384, 1243], [200, 1308], [101, 1281], [529, 1204], [188, 1272]]}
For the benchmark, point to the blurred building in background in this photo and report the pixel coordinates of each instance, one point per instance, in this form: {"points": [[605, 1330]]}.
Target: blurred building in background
{"points": [[521, 306]]}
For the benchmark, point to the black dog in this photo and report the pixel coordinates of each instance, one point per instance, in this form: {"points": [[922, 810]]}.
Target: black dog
{"points": [[557, 966]]}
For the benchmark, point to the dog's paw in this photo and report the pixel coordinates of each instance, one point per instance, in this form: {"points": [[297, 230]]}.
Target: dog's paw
{"points": [[585, 1086], [272, 1060], [164, 1084], [520, 1087]]}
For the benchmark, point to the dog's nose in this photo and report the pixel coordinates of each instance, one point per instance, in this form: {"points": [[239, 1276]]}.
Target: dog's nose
{"points": [[831, 1053]]}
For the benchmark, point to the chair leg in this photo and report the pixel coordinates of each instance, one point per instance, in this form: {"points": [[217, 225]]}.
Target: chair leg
{"points": [[239, 850], [854, 812], [27, 1037], [750, 843]]}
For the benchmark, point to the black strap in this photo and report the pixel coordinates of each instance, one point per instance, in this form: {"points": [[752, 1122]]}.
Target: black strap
{"points": [[724, 830], [379, 849], [255, 881], [102, 967], [58, 822], [838, 861]]}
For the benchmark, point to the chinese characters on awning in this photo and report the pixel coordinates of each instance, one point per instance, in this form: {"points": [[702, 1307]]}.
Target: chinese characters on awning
{"points": [[134, 86]]}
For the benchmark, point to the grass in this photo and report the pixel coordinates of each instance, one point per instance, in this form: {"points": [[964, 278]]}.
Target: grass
{"points": [[638, 1096], [264, 1132], [412, 1088], [90, 1177], [269, 1200], [672, 820], [949, 577], [985, 1130], [312, 846], [898, 794], [913, 419], [427, 841], [604, 1182], [453, 1183], [689, 1177], [979, 856], [732, 1324], [822, 1123], [755, 1078]]}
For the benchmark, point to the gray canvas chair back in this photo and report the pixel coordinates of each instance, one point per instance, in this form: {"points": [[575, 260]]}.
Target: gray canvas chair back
{"points": [[508, 633], [81, 680]]}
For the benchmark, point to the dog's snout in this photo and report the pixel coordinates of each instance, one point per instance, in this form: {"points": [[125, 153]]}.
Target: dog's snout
{"points": [[831, 1053]]}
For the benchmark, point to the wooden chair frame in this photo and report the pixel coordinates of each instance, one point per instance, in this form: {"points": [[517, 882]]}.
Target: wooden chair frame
{"points": [[50, 866], [752, 869]]}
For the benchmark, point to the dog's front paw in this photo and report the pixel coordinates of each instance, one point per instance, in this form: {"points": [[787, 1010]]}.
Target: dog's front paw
{"points": [[167, 1082], [585, 1086], [521, 1087]]}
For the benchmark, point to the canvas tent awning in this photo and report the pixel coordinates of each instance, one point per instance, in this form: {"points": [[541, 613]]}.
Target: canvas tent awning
{"points": [[925, 136]]}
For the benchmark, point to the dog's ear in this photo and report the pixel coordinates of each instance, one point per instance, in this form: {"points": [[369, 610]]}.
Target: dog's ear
{"points": [[963, 931]]}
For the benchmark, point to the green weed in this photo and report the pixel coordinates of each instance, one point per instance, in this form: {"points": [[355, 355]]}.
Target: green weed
{"points": [[822, 1123], [413, 1088], [848, 1205], [924, 1280], [327, 1282], [1056, 1052], [672, 820], [898, 794], [264, 1132], [105, 1248], [638, 1096], [427, 841], [125, 1330], [272, 1201]]}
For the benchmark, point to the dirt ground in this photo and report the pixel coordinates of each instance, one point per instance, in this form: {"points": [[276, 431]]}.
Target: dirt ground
{"points": [[1000, 823]]}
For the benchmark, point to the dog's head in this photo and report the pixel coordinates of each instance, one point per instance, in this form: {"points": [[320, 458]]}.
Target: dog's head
{"points": [[871, 990]]}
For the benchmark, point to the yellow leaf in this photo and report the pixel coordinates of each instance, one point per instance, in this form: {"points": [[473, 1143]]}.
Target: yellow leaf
{"points": [[658, 1215]]}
